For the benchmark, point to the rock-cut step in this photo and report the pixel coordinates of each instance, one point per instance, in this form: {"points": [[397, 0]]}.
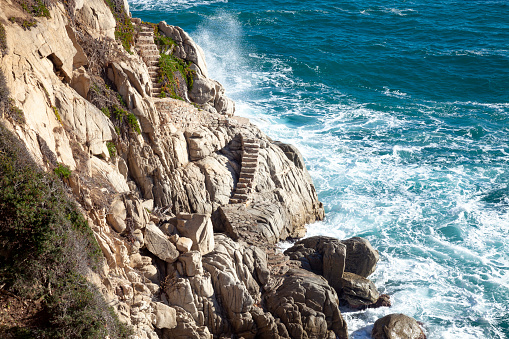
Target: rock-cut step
{"points": [[249, 167], [149, 53]]}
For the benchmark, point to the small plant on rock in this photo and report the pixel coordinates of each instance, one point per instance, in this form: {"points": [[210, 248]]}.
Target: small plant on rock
{"points": [[57, 114], [63, 171], [112, 149], [106, 111]]}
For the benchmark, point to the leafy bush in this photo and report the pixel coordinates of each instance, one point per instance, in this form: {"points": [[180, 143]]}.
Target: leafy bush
{"points": [[130, 118], [36, 8], [3, 40], [112, 149], [133, 122], [106, 111], [47, 249], [62, 171]]}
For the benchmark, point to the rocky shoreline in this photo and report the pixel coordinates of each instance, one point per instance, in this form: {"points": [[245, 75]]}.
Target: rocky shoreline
{"points": [[186, 201]]}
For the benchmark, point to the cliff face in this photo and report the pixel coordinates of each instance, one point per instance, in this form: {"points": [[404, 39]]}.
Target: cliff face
{"points": [[185, 200]]}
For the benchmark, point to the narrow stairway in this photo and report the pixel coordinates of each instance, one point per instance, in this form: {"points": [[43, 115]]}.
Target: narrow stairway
{"points": [[150, 55], [250, 152]]}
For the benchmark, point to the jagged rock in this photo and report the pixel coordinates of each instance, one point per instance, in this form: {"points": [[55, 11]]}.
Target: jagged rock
{"points": [[397, 326], [186, 328], [236, 273], [98, 18], [186, 48], [198, 228], [184, 244], [358, 291], [164, 316], [292, 153], [202, 142], [361, 257], [136, 212], [117, 214], [159, 244], [150, 272], [307, 306], [81, 82], [321, 255], [80, 58], [191, 263]]}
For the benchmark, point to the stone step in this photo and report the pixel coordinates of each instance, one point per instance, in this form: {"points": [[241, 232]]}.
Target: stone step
{"points": [[151, 55], [247, 170], [250, 146], [244, 191], [250, 156], [251, 151], [149, 50], [245, 181], [240, 196], [249, 160], [249, 165], [250, 140], [157, 85], [249, 176], [151, 58], [254, 144], [243, 185]]}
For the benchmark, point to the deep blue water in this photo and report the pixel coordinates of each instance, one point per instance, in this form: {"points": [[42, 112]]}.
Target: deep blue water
{"points": [[401, 109]]}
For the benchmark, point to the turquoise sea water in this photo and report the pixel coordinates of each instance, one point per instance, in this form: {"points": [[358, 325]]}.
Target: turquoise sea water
{"points": [[401, 110]]}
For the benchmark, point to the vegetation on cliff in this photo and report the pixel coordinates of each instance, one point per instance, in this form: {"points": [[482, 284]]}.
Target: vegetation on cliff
{"points": [[124, 31], [172, 71], [47, 249]]}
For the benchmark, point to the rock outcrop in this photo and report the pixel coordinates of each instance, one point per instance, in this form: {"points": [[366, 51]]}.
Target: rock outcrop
{"points": [[397, 326]]}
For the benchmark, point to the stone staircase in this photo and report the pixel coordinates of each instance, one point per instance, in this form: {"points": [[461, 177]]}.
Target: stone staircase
{"points": [[249, 166], [150, 55]]}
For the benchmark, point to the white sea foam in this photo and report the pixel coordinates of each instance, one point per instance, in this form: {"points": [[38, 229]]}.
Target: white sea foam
{"points": [[169, 5]]}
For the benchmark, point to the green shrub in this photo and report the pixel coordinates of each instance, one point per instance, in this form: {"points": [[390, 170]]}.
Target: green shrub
{"points": [[39, 9], [14, 113], [112, 149], [133, 122], [121, 100], [106, 111], [118, 113], [62, 171], [3, 40], [47, 248], [36, 8]]}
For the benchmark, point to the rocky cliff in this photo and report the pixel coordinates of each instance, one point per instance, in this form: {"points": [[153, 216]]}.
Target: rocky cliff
{"points": [[185, 200]]}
